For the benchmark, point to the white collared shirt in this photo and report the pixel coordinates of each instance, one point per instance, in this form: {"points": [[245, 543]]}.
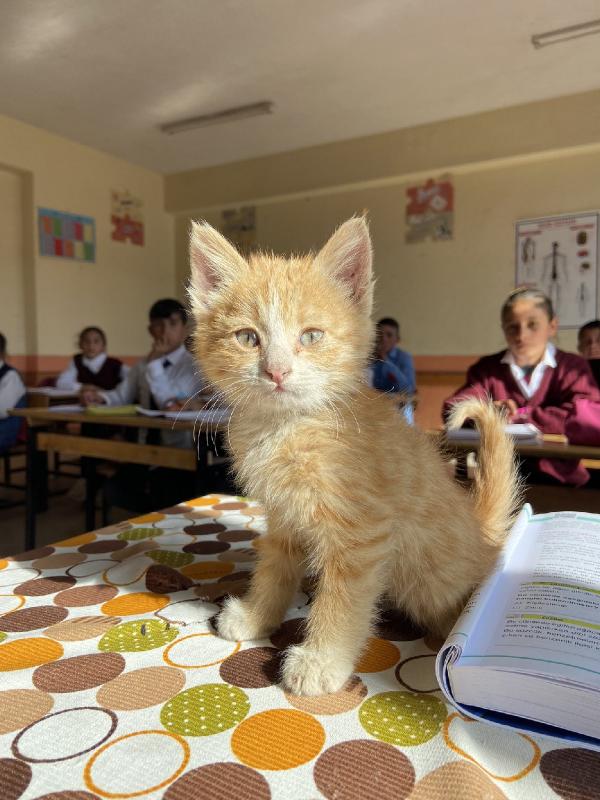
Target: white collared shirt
{"points": [[67, 379], [530, 388], [12, 390]]}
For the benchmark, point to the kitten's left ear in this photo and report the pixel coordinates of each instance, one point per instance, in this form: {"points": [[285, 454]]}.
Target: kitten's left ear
{"points": [[213, 261], [348, 257]]}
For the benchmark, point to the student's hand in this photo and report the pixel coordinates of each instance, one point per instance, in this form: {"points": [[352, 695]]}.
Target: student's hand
{"points": [[173, 405], [509, 407], [160, 348], [90, 396]]}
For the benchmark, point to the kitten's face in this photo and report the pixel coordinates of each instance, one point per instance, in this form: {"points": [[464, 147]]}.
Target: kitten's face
{"points": [[282, 335]]}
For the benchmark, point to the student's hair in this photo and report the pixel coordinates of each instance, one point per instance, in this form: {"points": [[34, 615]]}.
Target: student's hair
{"points": [[92, 329], [527, 293], [391, 322], [163, 309], [589, 326], [2, 345]]}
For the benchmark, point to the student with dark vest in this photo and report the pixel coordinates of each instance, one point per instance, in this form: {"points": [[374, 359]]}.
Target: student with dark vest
{"points": [[12, 394], [92, 367]]}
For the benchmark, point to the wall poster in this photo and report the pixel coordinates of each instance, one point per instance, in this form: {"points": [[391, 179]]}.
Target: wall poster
{"points": [[559, 255], [64, 235], [239, 226], [127, 217], [430, 211]]}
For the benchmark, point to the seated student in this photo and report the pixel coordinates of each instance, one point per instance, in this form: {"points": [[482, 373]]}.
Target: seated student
{"points": [[392, 369], [588, 344], [12, 393], [532, 380], [166, 378], [92, 367]]}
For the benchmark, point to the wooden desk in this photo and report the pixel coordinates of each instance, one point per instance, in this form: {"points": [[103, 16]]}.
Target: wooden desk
{"points": [[552, 446], [41, 439]]}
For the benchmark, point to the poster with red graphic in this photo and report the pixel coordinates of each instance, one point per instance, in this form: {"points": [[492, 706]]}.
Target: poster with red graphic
{"points": [[430, 211], [127, 217]]}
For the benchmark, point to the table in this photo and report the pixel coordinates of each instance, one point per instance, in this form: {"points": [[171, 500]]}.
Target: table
{"points": [[40, 440], [114, 684]]}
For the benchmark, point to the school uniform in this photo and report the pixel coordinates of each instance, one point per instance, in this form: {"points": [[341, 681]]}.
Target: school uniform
{"points": [[102, 371], [395, 374], [12, 394], [544, 396]]}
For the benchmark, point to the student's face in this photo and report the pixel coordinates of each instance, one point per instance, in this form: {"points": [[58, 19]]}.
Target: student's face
{"points": [[589, 343], [387, 338], [91, 344], [172, 331], [527, 330]]}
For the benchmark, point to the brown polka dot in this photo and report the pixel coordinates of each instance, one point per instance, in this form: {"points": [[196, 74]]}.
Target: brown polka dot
{"points": [[348, 697], [291, 632], [203, 513], [214, 592], [574, 774], [134, 550], [103, 546], [434, 643], [458, 779], [58, 561], [78, 673], [365, 769], [397, 627], [230, 506], [81, 628], [21, 707], [41, 586], [232, 577], [238, 536], [161, 579], [175, 510], [255, 511], [31, 555], [69, 796], [15, 776], [220, 781], [205, 529], [91, 595], [239, 555], [255, 668], [207, 547], [29, 619], [141, 688]]}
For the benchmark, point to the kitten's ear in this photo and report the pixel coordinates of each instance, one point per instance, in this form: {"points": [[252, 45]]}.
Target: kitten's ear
{"points": [[213, 261], [348, 257]]}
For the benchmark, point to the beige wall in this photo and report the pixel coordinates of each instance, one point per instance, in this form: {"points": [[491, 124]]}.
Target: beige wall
{"points": [[506, 165], [56, 297]]}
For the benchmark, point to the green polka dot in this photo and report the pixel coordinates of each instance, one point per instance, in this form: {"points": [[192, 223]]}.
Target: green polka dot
{"points": [[141, 634], [205, 710], [3, 636], [135, 534], [402, 718], [170, 558]]}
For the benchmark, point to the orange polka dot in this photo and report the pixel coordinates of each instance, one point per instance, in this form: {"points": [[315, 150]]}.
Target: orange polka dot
{"points": [[278, 739], [26, 653], [135, 603], [3, 563], [379, 655], [154, 516], [76, 541], [203, 501], [207, 570]]}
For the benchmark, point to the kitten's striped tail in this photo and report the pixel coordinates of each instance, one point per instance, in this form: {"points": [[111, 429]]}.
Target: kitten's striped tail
{"points": [[497, 491]]}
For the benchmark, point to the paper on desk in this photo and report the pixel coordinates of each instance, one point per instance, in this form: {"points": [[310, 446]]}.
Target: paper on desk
{"points": [[67, 408], [519, 431], [51, 391], [210, 416]]}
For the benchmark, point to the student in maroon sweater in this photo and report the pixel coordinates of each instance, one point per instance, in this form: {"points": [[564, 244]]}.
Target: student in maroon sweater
{"points": [[532, 380], [92, 367]]}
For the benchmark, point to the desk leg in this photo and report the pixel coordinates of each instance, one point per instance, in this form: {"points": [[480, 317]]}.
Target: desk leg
{"points": [[32, 477], [89, 470], [202, 479], [461, 473]]}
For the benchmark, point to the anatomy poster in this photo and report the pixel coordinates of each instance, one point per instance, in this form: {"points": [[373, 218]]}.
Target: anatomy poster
{"points": [[560, 256]]}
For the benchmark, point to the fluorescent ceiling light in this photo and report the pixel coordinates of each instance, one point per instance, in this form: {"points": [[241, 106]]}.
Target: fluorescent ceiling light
{"points": [[228, 115], [564, 34]]}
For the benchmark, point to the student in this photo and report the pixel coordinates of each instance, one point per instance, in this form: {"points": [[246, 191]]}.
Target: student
{"points": [[392, 369], [533, 381], [92, 367], [165, 379], [588, 344], [12, 394]]}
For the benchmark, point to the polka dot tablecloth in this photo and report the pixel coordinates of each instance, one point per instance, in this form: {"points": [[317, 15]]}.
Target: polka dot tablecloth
{"points": [[113, 685]]}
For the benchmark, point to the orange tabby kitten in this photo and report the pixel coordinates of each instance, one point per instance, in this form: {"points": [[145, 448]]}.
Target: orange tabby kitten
{"points": [[353, 495]]}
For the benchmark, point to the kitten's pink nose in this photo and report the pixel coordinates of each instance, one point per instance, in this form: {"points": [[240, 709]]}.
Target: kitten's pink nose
{"points": [[277, 375]]}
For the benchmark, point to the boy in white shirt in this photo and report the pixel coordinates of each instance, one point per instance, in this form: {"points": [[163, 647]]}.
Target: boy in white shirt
{"points": [[12, 393]]}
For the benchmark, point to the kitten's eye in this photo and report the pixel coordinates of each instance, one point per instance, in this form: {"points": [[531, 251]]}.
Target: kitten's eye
{"points": [[311, 336], [247, 338]]}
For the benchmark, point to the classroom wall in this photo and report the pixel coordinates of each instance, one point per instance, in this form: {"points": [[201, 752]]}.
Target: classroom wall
{"points": [[49, 299], [506, 165]]}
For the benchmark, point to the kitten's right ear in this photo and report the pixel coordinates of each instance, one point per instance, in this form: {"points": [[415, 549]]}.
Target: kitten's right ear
{"points": [[213, 261]]}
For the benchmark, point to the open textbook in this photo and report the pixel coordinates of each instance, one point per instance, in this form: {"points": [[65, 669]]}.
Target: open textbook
{"points": [[525, 652]]}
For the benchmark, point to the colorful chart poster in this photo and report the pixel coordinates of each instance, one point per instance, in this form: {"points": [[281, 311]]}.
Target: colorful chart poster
{"points": [[239, 226], [127, 217], [559, 255], [64, 235], [430, 211]]}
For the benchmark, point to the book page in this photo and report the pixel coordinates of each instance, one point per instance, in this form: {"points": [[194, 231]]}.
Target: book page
{"points": [[546, 619]]}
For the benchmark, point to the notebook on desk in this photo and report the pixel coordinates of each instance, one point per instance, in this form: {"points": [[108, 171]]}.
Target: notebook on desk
{"points": [[522, 432]]}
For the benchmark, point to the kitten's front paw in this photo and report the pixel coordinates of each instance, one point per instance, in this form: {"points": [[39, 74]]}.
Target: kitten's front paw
{"points": [[236, 624], [311, 672]]}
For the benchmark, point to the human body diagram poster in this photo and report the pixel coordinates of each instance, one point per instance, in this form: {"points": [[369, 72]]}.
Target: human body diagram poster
{"points": [[560, 256]]}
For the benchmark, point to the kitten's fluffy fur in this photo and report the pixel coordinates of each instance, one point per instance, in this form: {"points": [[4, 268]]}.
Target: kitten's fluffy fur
{"points": [[353, 495]]}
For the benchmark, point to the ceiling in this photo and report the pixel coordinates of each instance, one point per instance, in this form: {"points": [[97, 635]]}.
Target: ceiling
{"points": [[107, 73]]}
